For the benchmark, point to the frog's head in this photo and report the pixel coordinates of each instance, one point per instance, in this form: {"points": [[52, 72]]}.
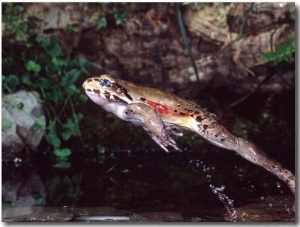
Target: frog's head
{"points": [[104, 89]]}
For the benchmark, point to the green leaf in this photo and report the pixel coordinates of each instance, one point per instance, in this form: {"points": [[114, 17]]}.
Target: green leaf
{"points": [[20, 106], [39, 199], [55, 51], [33, 66], [79, 116], [72, 89], [20, 9], [38, 124], [26, 80], [100, 21], [11, 82], [6, 123], [284, 52], [121, 16], [293, 13], [52, 138], [56, 96], [62, 164], [62, 152], [59, 63], [42, 83], [71, 27], [43, 41], [70, 77], [83, 98], [71, 128], [50, 45], [84, 65]]}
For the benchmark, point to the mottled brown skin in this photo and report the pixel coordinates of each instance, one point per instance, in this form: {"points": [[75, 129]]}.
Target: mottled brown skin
{"points": [[158, 112]]}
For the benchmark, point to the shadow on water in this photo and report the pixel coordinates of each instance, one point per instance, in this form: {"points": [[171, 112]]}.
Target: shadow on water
{"points": [[151, 186]]}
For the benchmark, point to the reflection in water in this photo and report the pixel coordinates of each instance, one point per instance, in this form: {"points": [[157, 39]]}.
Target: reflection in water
{"points": [[177, 186]]}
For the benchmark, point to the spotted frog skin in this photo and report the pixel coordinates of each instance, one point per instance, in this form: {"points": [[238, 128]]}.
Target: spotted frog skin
{"points": [[161, 114]]}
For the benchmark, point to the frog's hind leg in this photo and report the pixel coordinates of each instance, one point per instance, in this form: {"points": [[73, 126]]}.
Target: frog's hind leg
{"points": [[254, 154], [209, 127]]}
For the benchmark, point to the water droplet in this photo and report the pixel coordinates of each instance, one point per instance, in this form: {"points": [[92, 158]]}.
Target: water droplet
{"points": [[228, 203], [278, 184]]}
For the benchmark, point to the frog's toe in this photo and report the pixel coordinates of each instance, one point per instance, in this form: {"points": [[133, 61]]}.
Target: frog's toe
{"points": [[173, 130], [164, 140], [161, 143]]}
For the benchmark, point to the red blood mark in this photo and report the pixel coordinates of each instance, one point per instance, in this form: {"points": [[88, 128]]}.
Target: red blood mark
{"points": [[163, 110]]}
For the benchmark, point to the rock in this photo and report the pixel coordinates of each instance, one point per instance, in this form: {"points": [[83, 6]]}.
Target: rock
{"points": [[20, 111]]}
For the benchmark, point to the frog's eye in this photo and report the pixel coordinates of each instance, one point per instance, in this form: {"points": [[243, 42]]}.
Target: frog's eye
{"points": [[105, 83]]}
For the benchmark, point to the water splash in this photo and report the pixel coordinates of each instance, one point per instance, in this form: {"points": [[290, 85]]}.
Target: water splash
{"points": [[219, 191]]}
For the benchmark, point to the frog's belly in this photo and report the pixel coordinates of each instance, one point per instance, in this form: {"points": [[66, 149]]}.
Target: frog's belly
{"points": [[179, 122]]}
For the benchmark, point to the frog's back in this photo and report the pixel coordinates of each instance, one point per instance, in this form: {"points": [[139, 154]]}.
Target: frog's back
{"points": [[172, 108]]}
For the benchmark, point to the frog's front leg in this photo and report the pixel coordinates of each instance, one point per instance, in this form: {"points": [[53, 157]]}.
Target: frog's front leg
{"points": [[142, 115]]}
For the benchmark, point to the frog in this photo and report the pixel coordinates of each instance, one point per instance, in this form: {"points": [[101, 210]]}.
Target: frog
{"points": [[163, 114]]}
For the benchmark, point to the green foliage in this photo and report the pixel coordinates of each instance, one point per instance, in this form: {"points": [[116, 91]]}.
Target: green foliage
{"points": [[38, 124], [10, 82], [12, 18], [120, 13], [20, 106], [121, 16], [71, 27], [293, 14], [33, 66], [62, 153], [64, 188], [100, 21], [283, 52], [70, 128], [6, 123], [39, 64]]}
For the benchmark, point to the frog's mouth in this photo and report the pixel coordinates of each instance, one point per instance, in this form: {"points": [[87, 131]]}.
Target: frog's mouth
{"points": [[98, 96]]}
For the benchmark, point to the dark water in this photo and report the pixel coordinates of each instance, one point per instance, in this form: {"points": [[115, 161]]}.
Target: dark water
{"points": [[185, 182]]}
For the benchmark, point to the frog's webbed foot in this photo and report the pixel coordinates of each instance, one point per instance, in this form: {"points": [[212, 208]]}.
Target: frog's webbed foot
{"points": [[164, 140]]}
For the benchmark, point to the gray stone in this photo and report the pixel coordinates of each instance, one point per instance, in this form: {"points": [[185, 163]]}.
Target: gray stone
{"points": [[20, 133]]}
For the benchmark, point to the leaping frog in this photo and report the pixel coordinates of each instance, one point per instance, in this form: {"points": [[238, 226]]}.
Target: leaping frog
{"points": [[161, 113]]}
